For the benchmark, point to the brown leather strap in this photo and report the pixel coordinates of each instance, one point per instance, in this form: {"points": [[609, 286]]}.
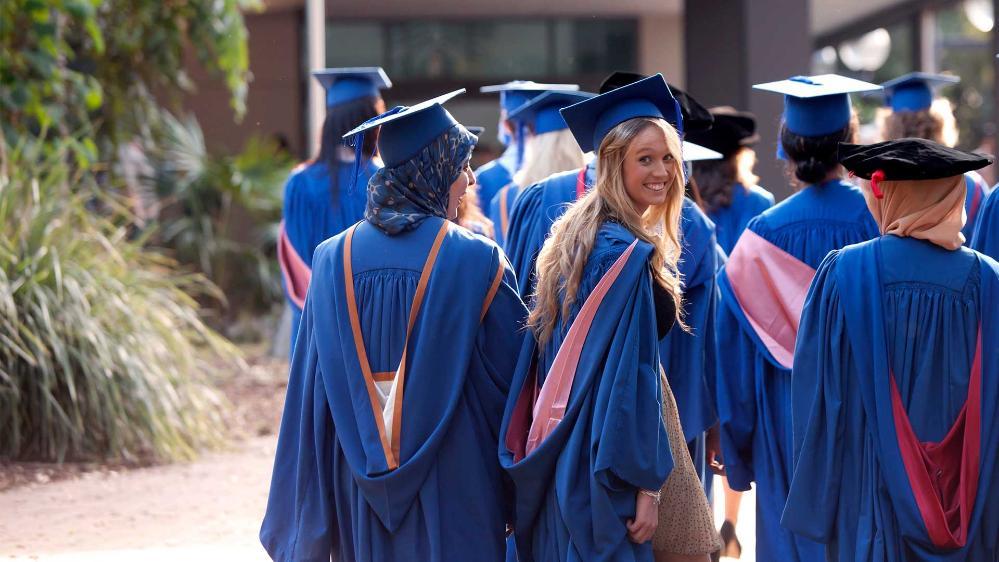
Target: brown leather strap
{"points": [[362, 354], [391, 450], [504, 217], [497, 279], [414, 310]]}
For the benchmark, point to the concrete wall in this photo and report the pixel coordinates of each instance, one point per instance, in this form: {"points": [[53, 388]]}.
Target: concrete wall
{"points": [[276, 94], [733, 44], [660, 47]]}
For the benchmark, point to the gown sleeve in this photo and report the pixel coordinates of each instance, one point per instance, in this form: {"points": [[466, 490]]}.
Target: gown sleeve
{"points": [[819, 380], [736, 357], [498, 345], [502, 331], [632, 446], [299, 521]]}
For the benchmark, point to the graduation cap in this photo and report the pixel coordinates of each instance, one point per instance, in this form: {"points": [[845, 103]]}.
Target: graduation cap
{"points": [[404, 130], [592, 119], [914, 91], [731, 131], [817, 105], [907, 159], [516, 93], [348, 84], [696, 118], [542, 112]]}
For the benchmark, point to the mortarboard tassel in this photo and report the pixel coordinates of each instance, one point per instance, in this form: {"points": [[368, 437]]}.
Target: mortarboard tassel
{"points": [[357, 141], [877, 176]]}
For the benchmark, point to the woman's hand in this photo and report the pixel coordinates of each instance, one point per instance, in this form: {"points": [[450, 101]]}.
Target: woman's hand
{"points": [[643, 526], [712, 451]]}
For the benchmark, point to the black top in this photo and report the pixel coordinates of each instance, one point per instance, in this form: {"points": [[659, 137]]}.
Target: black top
{"points": [[909, 159], [665, 310]]}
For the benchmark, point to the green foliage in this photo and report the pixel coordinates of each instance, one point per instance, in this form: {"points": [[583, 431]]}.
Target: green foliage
{"points": [[102, 352], [221, 213], [65, 64]]}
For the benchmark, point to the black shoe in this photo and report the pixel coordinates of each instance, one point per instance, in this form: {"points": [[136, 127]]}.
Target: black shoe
{"points": [[731, 547]]}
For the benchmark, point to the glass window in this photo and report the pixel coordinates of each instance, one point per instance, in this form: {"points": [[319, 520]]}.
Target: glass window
{"points": [[354, 44], [594, 46], [486, 50], [963, 47]]}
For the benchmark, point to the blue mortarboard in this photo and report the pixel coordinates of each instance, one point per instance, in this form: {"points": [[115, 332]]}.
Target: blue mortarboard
{"points": [[348, 84], [542, 112], [404, 130], [817, 105], [516, 93], [592, 119], [914, 91]]}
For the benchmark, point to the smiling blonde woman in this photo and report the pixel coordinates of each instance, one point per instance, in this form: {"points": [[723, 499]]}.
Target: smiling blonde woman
{"points": [[590, 454]]}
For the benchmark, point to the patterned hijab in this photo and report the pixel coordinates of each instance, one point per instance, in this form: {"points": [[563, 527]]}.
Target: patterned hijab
{"points": [[403, 196]]}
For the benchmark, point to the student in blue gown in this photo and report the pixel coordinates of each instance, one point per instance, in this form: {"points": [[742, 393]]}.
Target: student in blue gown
{"points": [[728, 193], [583, 436], [688, 356], [896, 374], [409, 338], [986, 237], [497, 174], [763, 285], [321, 198], [913, 112], [549, 149], [728, 186]]}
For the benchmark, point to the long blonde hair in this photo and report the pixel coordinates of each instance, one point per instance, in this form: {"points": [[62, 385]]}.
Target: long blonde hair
{"points": [[561, 261], [547, 154]]}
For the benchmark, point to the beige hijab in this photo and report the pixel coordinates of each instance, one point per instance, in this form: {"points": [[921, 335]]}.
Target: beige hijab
{"points": [[927, 209]]}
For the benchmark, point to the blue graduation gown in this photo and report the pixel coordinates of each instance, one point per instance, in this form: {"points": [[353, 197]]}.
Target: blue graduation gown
{"points": [[986, 237], [577, 489], [902, 309], [332, 490], [978, 190], [313, 211], [499, 211], [534, 211], [494, 175], [687, 358], [753, 389], [732, 220]]}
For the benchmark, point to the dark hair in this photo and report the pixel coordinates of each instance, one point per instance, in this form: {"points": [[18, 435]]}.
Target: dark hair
{"points": [[812, 158], [340, 119], [715, 180]]}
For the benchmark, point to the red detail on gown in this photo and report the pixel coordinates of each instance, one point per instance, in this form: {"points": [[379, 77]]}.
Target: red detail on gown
{"points": [[944, 475]]}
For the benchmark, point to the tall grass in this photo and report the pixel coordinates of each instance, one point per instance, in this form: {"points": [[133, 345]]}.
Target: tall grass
{"points": [[102, 352]]}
